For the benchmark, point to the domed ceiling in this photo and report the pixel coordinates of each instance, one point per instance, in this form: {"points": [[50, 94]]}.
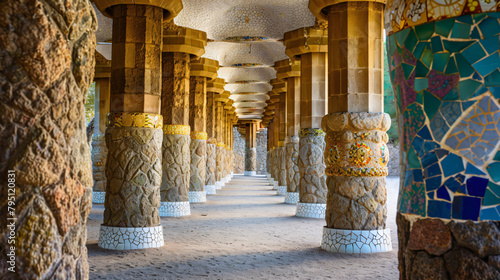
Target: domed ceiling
{"points": [[244, 36]]}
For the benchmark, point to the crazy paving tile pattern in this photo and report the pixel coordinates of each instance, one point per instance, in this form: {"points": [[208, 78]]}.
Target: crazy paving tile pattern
{"points": [[175, 209], [356, 241], [446, 80], [98, 197], [292, 197], [311, 210], [197, 197], [281, 190], [123, 238]]}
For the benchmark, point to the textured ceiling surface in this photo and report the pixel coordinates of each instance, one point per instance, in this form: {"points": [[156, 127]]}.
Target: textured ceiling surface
{"points": [[244, 37]]}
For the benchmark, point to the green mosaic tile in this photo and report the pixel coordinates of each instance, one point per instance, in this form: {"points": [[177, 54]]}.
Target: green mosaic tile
{"points": [[440, 61], [411, 40], [460, 31], [437, 44], [452, 95], [489, 27], [421, 83], [413, 160], [463, 66], [490, 198], [424, 31], [401, 36], [478, 17], [420, 48], [475, 33], [468, 88], [391, 45], [431, 104], [443, 27], [407, 69], [465, 19], [420, 98], [487, 64], [427, 58], [451, 68], [421, 70], [456, 46], [497, 156], [493, 79], [473, 53]]}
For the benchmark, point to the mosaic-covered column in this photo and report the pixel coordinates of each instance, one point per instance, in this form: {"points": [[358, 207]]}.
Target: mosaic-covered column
{"points": [[356, 153], [202, 70], [289, 70], [443, 63], [134, 128], [279, 88], [310, 43], [251, 149], [214, 88], [99, 151], [179, 46], [46, 179]]}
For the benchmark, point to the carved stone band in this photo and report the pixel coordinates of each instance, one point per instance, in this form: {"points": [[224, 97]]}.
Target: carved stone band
{"points": [[176, 129], [125, 119]]}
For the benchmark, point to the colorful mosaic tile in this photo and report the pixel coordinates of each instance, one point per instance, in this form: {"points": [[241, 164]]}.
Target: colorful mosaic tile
{"points": [[446, 80], [245, 39]]}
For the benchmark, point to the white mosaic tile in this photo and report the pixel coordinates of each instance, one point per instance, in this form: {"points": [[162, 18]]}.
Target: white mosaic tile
{"points": [[210, 189], [126, 238], [311, 210], [292, 197], [197, 197], [275, 185], [98, 197], [271, 182], [281, 190], [175, 209], [218, 185], [250, 173], [356, 241]]}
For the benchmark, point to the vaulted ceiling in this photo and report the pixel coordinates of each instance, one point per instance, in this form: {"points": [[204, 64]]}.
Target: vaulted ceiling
{"points": [[244, 36]]}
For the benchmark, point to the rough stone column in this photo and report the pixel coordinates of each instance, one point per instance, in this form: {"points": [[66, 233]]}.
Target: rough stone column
{"points": [[310, 43], [201, 70], [99, 151], [179, 46], [251, 149], [44, 148], [279, 88], [356, 151], [220, 100], [133, 134], [289, 70]]}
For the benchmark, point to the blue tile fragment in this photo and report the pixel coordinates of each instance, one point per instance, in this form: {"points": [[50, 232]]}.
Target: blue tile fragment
{"points": [[452, 164], [489, 27], [432, 170], [429, 159], [425, 133], [494, 171], [452, 184], [489, 214], [443, 193], [487, 64], [473, 53], [472, 170], [432, 184], [476, 186], [466, 208], [439, 209]]}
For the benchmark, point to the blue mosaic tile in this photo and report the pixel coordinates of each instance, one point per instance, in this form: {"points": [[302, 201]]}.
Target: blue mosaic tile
{"points": [[453, 184], [476, 186], [452, 164], [466, 208], [487, 65], [441, 153], [432, 184], [439, 209], [443, 193], [494, 171], [489, 27], [460, 30], [429, 159], [432, 170], [490, 44], [489, 214], [471, 169], [493, 79], [463, 66], [474, 53]]}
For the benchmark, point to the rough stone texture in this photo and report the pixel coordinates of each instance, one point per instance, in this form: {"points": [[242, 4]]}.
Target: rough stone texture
{"points": [[281, 166], [430, 235], [428, 267], [261, 152], [176, 168], [47, 61], [219, 162], [459, 262], [99, 155], [210, 171], [239, 152], [482, 238], [292, 166], [198, 164], [393, 164], [312, 169], [251, 159], [356, 203], [134, 175], [175, 88]]}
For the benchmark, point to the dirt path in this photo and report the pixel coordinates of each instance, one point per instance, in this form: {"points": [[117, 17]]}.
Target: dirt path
{"points": [[243, 232]]}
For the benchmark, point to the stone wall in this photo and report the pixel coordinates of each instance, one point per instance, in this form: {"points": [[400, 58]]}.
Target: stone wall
{"points": [[261, 151], [393, 164], [239, 152]]}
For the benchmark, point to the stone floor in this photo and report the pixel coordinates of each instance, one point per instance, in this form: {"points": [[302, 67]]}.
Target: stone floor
{"points": [[243, 232]]}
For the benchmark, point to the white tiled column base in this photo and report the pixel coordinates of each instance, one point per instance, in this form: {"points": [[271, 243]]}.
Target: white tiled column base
{"points": [[268, 176], [271, 182], [250, 173], [218, 185], [232, 174], [356, 241], [281, 190], [275, 185], [197, 197], [292, 197], [311, 210], [129, 238], [175, 209], [210, 189], [98, 197]]}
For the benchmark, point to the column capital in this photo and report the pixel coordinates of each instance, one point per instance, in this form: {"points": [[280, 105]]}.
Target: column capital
{"points": [[216, 85], [306, 40], [319, 7], [171, 8], [184, 40], [102, 66], [205, 67], [278, 85], [287, 68]]}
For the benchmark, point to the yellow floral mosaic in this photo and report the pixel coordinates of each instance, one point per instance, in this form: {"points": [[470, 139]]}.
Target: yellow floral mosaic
{"points": [[311, 132], [176, 129], [220, 144], [144, 120], [360, 154], [199, 135]]}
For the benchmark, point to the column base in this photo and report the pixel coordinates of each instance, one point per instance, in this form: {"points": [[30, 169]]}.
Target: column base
{"points": [[232, 174], [130, 238], [281, 190], [271, 182], [250, 173], [292, 197], [311, 210], [98, 197], [210, 189], [356, 241], [218, 185], [174, 209], [275, 185], [268, 176], [197, 197]]}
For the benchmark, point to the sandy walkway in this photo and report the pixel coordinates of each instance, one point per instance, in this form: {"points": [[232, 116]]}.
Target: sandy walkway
{"points": [[243, 232]]}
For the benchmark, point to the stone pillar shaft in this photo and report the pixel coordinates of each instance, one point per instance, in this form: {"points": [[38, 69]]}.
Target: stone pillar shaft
{"points": [[251, 149], [99, 151], [314, 85], [292, 140], [211, 144]]}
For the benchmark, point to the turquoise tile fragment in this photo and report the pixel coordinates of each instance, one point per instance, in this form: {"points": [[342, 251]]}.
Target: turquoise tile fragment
{"points": [[474, 53], [465, 19], [436, 44], [489, 27], [411, 40], [427, 58], [401, 36], [407, 69], [489, 214], [494, 171], [467, 88], [421, 70], [487, 64], [478, 17], [456, 46], [452, 95], [424, 31], [419, 49], [491, 45], [431, 104], [421, 84], [464, 68], [451, 68], [460, 31], [443, 27], [391, 45], [490, 198], [493, 79], [440, 61], [475, 33]]}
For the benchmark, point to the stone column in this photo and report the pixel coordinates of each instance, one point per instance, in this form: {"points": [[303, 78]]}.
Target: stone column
{"points": [[276, 154], [214, 88], [449, 125], [45, 166], [133, 134], [356, 128], [310, 43], [201, 70], [99, 151], [289, 70], [251, 149], [180, 45], [220, 100], [279, 88]]}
